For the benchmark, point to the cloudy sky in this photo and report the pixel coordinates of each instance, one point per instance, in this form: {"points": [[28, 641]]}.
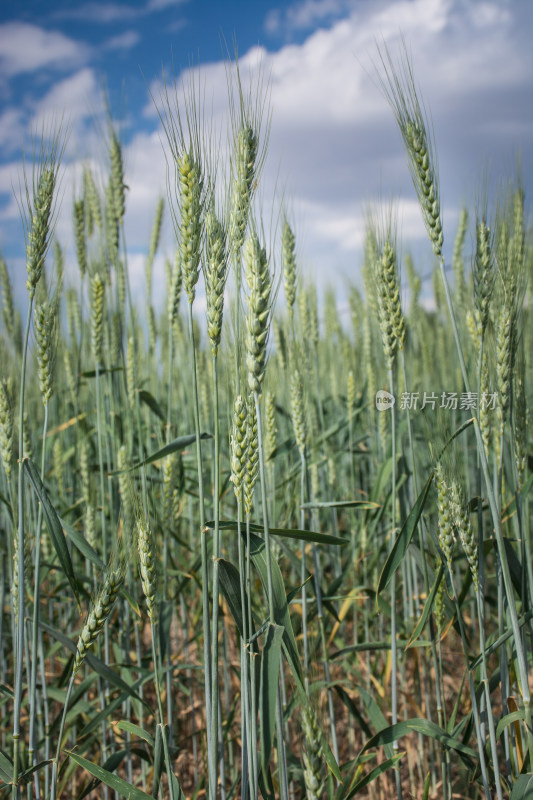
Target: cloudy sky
{"points": [[333, 145]]}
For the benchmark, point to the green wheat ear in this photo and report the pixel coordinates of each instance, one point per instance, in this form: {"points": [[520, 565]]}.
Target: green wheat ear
{"points": [[147, 568], [242, 189], [387, 283], [399, 88], [45, 334], [39, 217], [215, 276], [79, 220], [259, 283], [100, 611], [239, 445], [250, 123], [6, 427], [8, 305], [289, 265]]}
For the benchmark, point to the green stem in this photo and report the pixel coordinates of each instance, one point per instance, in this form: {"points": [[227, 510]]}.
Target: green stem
{"points": [[19, 636], [55, 767], [270, 591], [216, 573], [32, 756], [211, 744], [163, 727], [475, 712], [394, 653]]}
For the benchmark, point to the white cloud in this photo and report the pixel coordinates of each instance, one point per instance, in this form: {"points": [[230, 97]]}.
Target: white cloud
{"points": [[333, 141], [77, 101], [106, 13], [74, 96], [102, 13], [11, 176], [27, 48], [12, 126], [124, 41], [161, 5], [74, 102], [305, 14]]}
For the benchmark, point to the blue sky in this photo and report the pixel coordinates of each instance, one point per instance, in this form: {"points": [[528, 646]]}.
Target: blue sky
{"points": [[333, 145]]}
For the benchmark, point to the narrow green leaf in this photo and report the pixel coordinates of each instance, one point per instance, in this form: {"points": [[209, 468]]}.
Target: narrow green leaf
{"points": [[281, 609], [172, 447], [5, 501], [287, 533], [508, 719], [130, 727], [426, 728], [81, 543], [401, 544], [459, 430], [166, 610], [54, 526], [270, 663], [111, 764], [457, 705], [178, 791], [28, 772], [119, 785], [91, 373], [510, 509], [376, 716], [428, 605], [382, 480], [362, 505], [375, 773], [515, 565], [149, 400], [158, 760], [231, 589], [353, 710], [362, 647], [523, 787], [6, 767]]}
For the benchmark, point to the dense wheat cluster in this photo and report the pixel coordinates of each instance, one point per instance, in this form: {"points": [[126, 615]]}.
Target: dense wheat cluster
{"points": [[236, 564]]}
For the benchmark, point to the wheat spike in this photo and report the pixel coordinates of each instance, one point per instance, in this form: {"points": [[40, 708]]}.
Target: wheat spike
{"points": [[6, 427], [215, 277], [399, 88], [145, 548], [259, 308], [100, 612]]}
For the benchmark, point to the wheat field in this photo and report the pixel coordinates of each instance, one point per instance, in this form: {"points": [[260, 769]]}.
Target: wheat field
{"points": [[270, 549]]}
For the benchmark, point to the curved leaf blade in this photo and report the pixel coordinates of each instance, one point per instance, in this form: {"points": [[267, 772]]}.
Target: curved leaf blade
{"points": [[268, 693], [130, 727], [523, 787], [287, 533], [172, 447], [426, 728], [399, 549], [54, 526], [375, 773], [119, 785], [428, 605]]}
